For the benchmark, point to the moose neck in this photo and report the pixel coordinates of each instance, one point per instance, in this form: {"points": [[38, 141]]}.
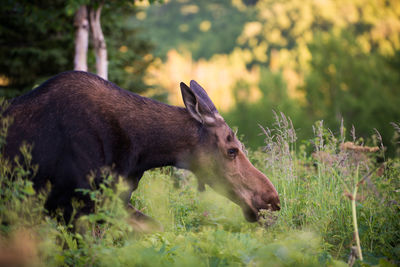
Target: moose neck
{"points": [[169, 137]]}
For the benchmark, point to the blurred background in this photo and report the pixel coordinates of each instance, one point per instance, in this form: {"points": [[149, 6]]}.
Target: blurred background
{"points": [[310, 59]]}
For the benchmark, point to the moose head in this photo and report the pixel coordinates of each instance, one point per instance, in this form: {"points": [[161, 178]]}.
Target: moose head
{"points": [[220, 160]]}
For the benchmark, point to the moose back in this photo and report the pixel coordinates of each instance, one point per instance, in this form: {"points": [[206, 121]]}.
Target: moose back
{"points": [[79, 123]]}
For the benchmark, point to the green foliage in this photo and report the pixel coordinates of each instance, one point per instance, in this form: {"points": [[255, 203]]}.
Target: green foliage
{"points": [[129, 55], [345, 82], [274, 96], [37, 42], [16, 190], [314, 190], [318, 60], [178, 24]]}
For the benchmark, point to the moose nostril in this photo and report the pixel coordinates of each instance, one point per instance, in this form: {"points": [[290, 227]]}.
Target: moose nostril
{"points": [[269, 202], [275, 204]]}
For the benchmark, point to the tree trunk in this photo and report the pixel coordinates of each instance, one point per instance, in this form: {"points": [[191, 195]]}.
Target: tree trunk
{"points": [[81, 39], [98, 42]]}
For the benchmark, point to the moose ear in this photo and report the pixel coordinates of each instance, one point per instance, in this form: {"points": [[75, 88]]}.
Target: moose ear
{"points": [[197, 103]]}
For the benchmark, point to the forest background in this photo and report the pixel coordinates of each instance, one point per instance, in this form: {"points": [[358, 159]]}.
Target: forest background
{"points": [[310, 59]]}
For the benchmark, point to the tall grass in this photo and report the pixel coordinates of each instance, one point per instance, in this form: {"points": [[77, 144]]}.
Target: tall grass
{"points": [[319, 192], [314, 228]]}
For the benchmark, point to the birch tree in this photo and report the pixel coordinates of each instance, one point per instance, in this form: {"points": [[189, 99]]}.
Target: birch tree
{"points": [[81, 39], [87, 23], [99, 43], [90, 15]]}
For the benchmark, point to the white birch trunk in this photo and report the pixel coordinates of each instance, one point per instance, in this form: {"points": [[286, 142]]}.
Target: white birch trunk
{"points": [[81, 39], [99, 42]]}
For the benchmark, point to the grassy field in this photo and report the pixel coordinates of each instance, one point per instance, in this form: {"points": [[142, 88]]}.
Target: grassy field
{"points": [[324, 183]]}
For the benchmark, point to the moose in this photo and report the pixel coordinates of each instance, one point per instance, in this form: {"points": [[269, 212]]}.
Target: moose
{"points": [[78, 123]]}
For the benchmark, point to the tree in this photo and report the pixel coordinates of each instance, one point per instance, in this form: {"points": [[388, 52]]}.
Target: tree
{"points": [[81, 39], [99, 43], [37, 42], [88, 14], [203, 27], [274, 96], [344, 82], [88, 17]]}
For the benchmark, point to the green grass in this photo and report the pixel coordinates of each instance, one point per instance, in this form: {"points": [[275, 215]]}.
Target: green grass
{"points": [[314, 228]]}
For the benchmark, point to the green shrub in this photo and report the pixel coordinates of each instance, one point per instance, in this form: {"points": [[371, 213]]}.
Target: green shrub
{"points": [[314, 190]]}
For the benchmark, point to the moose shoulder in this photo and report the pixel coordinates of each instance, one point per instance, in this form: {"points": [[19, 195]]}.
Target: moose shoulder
{"points": [[79, 123]]}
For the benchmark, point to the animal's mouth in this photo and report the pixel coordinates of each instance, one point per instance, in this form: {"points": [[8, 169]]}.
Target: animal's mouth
{"points": [[251, 206], [252, 214]]}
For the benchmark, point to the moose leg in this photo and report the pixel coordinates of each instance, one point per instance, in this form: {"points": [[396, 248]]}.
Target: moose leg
{"points": [[143, 223], [138, 220], [58, 199], [62, 199], [133, 183], [69, 177]]}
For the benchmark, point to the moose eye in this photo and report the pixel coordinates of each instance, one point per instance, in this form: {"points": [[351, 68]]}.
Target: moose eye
{"points": [[232, 152]]}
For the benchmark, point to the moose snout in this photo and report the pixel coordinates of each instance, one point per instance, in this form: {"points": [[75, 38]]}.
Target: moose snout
{"points": [[268, 197], [259, 203], [275, 203], [261, 195], [269, 201]]}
